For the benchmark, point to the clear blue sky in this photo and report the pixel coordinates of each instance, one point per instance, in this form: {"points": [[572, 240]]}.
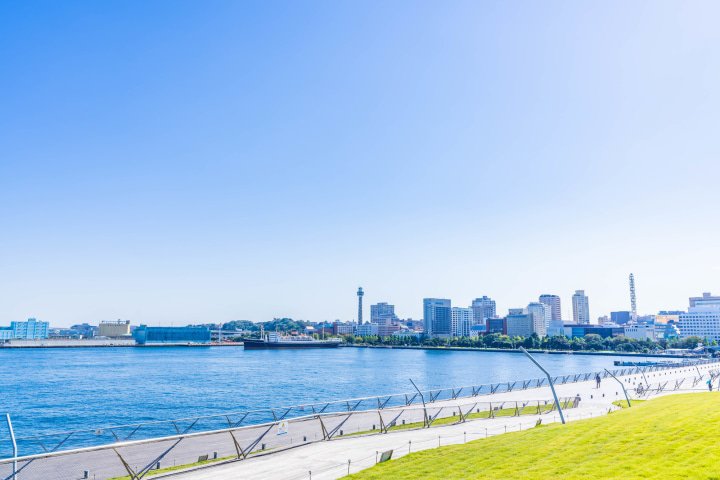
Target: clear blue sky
{"points": [[174, 162]]}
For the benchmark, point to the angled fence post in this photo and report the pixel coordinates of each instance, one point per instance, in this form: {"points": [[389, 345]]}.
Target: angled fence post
{"points": [[422, 398], [14, 445], [623, 387], [552, 387]]}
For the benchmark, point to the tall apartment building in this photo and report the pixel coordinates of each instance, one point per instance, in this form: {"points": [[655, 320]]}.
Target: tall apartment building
{"points": [[483, 308], [581, 307], [552, 301], [541, 314], [437, 317], [30, 330], [382, 313], [461, 321]]}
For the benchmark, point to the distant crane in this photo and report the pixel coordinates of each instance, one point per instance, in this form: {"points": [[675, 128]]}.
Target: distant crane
{"points": [[633, 299]]}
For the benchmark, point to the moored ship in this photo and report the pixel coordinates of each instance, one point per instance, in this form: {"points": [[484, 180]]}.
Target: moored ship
{"points": [[275, 340]]}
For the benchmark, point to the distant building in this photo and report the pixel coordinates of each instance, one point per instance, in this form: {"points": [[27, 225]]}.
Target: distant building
{"points": [[342, 329], [495, 325], [640, 332], [477, 330], [556, 328], [386, 330], [180, 335], [580, 330], [605, 319], [520, 324], [541, 314], [552, 301], [581, 307], [483, 307], [405, 333], [702, 319], [437, 317], [461, 321], [114, 328], [383, 313], [30, 330], [706, 297], [6, 334], [664, 317], [85, 330], [621, 318], [367, 329]]}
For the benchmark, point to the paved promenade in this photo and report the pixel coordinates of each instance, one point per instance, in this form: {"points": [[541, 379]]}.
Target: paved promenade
{"points": [[329, 460]]}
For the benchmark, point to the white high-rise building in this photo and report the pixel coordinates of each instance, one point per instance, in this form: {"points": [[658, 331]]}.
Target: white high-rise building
{"points": [[541, 317], [702, 319], [581, 307], [462, 320], [552, 301]]}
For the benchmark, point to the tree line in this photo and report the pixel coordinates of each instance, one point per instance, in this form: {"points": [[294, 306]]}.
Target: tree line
{"points": [[590, 342]]}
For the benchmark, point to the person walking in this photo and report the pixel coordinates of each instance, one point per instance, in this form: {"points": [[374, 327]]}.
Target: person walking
{"points": [[597, 380], [709, 384]]}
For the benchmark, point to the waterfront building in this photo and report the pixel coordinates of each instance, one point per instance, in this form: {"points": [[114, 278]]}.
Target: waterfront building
{"points": [[552, 301], [437, 317], [367, 329], [30, 330], [496, 325], [581, 307], [407, 333], [621, 318], [640, 332], [342, 329], [383, 313], [85, 330], [520, 324], [386, 330], [461, 321], [6, 334], [114, 328], [702, 319], [478, 330], [556, 328], [180, 335], [483, 307], [541, 314], [706, 297], [580, 330]]}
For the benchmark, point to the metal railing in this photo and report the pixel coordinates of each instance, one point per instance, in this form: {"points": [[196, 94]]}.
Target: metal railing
{"points": [[139, 458], [55, 441]]}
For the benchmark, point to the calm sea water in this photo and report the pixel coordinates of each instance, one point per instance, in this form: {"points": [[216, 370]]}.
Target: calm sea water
{"points": [[86, 388]]}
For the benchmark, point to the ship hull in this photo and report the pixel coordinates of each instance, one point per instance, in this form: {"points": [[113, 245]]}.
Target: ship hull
{"points": [[254, 344]]}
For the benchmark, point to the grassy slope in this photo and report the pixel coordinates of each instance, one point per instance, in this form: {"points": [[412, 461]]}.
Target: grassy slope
{"points": [[669, 437]]}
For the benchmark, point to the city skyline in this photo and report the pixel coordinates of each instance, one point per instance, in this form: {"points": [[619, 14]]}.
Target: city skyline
{"points": [[157, 165]]}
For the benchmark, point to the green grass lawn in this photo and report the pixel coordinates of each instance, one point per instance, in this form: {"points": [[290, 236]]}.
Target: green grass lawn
{"points": [[504, 412], [669, 437]]}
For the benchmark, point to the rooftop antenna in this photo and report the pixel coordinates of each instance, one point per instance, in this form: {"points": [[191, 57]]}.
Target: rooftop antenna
{"points": [[633, 299]]}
